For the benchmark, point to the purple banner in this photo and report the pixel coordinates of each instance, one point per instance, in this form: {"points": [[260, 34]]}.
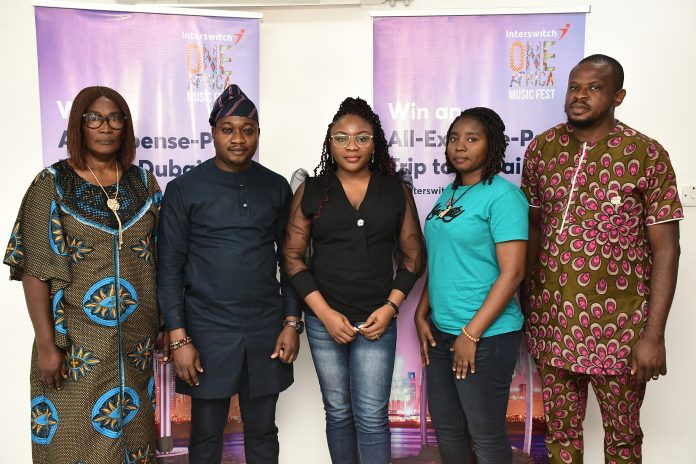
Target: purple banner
{"points": [[426, 71], [169, 68]]}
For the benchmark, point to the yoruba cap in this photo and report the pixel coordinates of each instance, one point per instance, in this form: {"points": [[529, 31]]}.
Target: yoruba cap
{"points": [[233, 102]]}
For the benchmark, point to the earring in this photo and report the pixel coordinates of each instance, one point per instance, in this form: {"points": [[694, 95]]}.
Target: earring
{"points": [[372, 158]]}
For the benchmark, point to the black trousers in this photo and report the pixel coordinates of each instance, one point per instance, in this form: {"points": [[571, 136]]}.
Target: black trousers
{"points": [[208, 420]]}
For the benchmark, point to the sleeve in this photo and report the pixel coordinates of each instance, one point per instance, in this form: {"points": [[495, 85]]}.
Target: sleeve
{"points": [[291, 303], [297, 237], [509, 218], [37, 244], [530, 179], [172, 251], [410, 254], [661, 197]]}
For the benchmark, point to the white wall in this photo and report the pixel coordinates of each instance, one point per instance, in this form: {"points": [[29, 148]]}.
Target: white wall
{"points": [[311, 58]]}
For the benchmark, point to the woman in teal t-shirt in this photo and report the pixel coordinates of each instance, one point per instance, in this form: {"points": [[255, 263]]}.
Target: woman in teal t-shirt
{"points": [[468, 321]]}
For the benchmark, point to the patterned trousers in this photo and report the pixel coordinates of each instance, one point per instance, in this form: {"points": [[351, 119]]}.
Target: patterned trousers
{"points": [[565, 402]]}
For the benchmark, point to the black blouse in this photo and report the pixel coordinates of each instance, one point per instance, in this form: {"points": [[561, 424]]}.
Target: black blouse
{"points": [[354, 251]]}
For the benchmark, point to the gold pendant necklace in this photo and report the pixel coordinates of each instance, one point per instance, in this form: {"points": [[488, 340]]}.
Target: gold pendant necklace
{"points": [[112, 203]]}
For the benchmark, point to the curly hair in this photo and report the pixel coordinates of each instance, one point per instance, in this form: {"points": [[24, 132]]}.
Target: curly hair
{"points": [[381, 162], [495, 132], [76, 141]]}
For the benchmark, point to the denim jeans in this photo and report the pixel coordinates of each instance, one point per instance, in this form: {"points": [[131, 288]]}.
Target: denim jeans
{"points": [[471, 412], [355, 381]]}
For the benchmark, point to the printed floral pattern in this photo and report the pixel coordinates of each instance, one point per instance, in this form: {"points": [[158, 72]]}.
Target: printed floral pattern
{"points": [[44, 420], [144, 248], [77, 249], [588, 296], [565, 402], [103, 302], [14, 253], [80, 362], [142, 456], [141, 357], [113, 410]]}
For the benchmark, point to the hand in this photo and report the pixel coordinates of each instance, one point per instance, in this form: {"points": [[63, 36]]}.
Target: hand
{"points": [[464, 356], [287, 346], [339, 327], [187, 364], [378, 322], [165, 345], [425, 337], [524, 296], [649, 360], [51, 366]]}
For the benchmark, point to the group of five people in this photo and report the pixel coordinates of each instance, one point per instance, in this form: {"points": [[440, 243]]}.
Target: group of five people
{"points": [[593, 233]]}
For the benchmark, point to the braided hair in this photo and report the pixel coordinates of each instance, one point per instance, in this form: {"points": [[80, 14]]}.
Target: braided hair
{"points": [[495, 132], [380, 162]]}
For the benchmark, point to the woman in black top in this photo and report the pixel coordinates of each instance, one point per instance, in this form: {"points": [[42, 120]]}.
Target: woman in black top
{"points": [[360, 219]]}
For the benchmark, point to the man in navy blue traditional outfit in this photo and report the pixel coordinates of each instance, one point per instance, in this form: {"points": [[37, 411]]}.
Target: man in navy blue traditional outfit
{"points": [[234, 327]]}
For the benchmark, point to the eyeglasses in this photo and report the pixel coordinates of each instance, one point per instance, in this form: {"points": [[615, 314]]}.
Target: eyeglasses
{"points": [[115, 121], [342, 140]]}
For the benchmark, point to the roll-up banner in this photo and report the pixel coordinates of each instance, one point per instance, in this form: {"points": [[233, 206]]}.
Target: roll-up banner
{"points": [[170, 65], [427, 69]]}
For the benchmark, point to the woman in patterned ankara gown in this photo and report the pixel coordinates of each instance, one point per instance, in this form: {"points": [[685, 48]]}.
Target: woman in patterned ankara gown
{"points": [[83, 247]]}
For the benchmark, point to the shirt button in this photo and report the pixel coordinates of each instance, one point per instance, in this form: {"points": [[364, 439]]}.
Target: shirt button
{"points": [[361, 223]]}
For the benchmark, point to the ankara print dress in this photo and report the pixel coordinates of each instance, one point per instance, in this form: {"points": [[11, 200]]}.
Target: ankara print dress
{"points": [[589, 297], [104, 312]]}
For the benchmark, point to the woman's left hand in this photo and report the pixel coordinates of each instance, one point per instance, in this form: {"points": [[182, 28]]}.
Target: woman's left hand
{"points": [[464, 356], [164, 336], [378, 322]]}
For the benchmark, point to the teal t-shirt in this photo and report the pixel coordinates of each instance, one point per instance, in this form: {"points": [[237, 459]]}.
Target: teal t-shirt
{"points": [[461, 252]]}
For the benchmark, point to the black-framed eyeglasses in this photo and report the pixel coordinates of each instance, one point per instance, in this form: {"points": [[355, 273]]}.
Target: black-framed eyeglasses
{"points": [[343, 140], [115, 121]]}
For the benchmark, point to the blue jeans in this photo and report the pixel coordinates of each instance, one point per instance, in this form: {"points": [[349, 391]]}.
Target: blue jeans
{"points": [[472, 411], [355, 381]]}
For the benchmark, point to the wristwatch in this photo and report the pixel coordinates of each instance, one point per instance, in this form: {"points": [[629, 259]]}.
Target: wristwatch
{"points": [[297, 325]]}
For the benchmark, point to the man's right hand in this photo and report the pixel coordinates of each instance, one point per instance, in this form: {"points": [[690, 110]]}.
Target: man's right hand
{"points": [[51, 366], [187, 361], [187, 364], [339, 327]]}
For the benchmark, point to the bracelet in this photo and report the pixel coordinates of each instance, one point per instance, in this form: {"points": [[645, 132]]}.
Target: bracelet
{"points": [[469, 336], [393, 305], [179, 343]]}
